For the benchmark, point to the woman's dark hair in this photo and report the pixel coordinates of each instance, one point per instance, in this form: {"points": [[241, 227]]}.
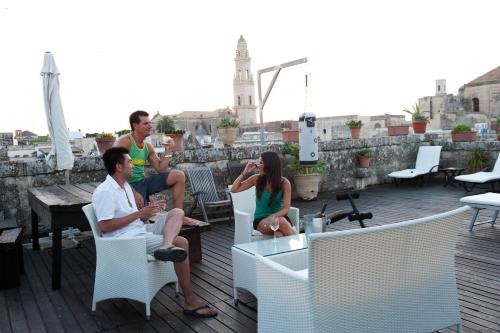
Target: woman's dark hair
{"points": [[112, 157], [135, 118], [272, 175]]}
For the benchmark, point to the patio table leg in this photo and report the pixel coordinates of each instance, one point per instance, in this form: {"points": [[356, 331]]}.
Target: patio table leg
{"points": [[34, 230], [56, 258]]}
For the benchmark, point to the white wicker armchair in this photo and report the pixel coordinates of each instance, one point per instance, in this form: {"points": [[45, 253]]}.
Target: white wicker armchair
{"points": [[393, 278], [244, 208], [125, 270]]}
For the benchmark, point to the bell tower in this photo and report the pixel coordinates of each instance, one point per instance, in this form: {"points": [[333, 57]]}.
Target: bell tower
{"points": [[243, 86]]}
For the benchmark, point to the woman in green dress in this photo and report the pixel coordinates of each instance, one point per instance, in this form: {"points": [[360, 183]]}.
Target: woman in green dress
{"points": [[273, 193]]}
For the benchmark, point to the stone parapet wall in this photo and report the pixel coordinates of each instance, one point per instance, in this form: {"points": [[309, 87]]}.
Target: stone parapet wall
{"points": [[342, 172]]}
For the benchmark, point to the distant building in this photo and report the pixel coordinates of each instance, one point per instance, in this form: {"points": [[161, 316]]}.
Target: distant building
{"points": [[23, 137], [6, 139], [243, 86], [330, 128], [476, 102]]}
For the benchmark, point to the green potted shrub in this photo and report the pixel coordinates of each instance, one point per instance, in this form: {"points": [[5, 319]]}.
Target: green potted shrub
{"points": [[476, 160], [364, 156], [227, 128], [307, 178], [104, 141], [419, 120], [462, 133], [355, 127]]}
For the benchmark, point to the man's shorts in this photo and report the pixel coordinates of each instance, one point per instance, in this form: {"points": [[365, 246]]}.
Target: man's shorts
{"points": [[151, 185], [155, 239]]}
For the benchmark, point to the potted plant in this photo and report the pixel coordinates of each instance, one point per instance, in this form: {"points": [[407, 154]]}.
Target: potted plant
{"points": [[307, 178], [104, 141], [227, 128], [177, 136], [419, 120], [397, 130], [364, 156], [462, 133], [355, 127], [476, 160]]}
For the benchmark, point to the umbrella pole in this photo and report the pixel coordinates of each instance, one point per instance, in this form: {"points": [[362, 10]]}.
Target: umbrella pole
{"points": [[66, 176]]}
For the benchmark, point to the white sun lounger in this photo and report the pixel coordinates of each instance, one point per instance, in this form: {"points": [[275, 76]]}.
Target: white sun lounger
{"points": [[427, 163], [481, 177], [482, 201]]}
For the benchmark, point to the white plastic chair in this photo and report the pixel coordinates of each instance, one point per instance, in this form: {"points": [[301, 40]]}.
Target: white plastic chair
{"points": [[244, 208], [125, 270], [426, 164], [481, 177], [393, 278]]}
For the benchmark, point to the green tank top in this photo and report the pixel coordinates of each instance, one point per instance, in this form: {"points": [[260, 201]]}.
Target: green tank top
{"points": [[139, 158], [262, 208]]}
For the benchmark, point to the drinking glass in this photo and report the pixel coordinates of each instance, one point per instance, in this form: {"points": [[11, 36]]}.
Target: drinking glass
{"points": [[274, 225], [167, 143]]}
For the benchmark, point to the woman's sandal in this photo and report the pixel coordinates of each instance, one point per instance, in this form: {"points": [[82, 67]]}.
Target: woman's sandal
{"points": [[195, 313]]}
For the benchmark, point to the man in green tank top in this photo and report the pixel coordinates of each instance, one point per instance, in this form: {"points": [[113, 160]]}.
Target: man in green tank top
{"points": [[142, 152]]}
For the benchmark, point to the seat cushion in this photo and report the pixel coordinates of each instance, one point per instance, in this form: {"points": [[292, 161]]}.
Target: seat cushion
{"points": [[479, 177], [491, 199], [256, 233], [408, 173]]}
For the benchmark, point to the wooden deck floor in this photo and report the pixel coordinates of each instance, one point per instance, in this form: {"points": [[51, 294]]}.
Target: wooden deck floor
{"points": [[34, 307]]}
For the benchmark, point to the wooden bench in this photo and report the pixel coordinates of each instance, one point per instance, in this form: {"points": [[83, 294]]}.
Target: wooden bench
{"points": [[61, 206]]}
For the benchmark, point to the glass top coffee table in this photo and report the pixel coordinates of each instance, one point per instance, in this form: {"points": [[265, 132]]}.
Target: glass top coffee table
{"points": [[290, 251]]}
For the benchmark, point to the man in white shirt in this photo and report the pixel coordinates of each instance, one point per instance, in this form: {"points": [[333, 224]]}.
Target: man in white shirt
{"points": [[118, 216]]}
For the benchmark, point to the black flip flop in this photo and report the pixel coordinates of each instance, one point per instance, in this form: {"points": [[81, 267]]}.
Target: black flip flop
{"points": [[172, 253], [195, 313]]}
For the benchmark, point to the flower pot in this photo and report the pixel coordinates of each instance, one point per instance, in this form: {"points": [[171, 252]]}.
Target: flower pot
{"points": [[463, 136], [355, 132], [104, 143], [307, 186], [178, 141], [397, 130], [364, 161], [419, 126], [290, 136], [227, 135]]}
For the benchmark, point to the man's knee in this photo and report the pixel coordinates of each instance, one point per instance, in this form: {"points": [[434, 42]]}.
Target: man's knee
{"points": [[176, 213], [181, 242], [176, 176]]}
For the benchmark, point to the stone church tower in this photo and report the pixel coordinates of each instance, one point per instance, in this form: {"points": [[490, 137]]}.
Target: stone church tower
{"points": [[243, 86]]}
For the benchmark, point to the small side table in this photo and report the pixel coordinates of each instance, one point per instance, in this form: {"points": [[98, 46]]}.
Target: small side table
{"points": [[450, 174]]}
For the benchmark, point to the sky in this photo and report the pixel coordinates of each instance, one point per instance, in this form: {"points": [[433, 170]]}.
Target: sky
{"points": [[364, 57]]}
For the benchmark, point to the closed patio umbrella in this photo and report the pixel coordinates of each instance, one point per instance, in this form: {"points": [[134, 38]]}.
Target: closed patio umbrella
{"points": [[58, 131]]}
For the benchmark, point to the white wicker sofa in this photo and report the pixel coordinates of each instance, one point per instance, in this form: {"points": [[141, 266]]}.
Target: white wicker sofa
{"points": [[393, 278], [125, 270], [244, 208]]}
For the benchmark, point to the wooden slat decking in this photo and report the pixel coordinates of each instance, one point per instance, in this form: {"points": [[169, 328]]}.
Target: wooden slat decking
{"points": [[35, 307]]}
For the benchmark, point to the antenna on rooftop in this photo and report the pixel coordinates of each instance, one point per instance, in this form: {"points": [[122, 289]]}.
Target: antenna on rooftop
{"points": [[262, 102]]}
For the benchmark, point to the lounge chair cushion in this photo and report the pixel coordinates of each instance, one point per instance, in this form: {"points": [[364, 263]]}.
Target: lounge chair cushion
{"points": [[408, 173], [490, 199], [479, 177]]}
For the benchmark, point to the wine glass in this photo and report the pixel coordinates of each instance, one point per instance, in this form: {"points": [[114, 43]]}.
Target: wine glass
{"points": [[274, 225], [168, 143]]}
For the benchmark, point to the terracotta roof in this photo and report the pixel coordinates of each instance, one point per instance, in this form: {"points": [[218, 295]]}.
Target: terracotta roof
{"points": [[490, 77]]}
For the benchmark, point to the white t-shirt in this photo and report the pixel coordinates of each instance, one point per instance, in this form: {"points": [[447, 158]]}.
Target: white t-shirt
{"points": [[111, 201]]}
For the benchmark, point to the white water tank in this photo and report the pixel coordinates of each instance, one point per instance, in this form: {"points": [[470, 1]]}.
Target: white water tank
{"points": [[308, 139]]}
